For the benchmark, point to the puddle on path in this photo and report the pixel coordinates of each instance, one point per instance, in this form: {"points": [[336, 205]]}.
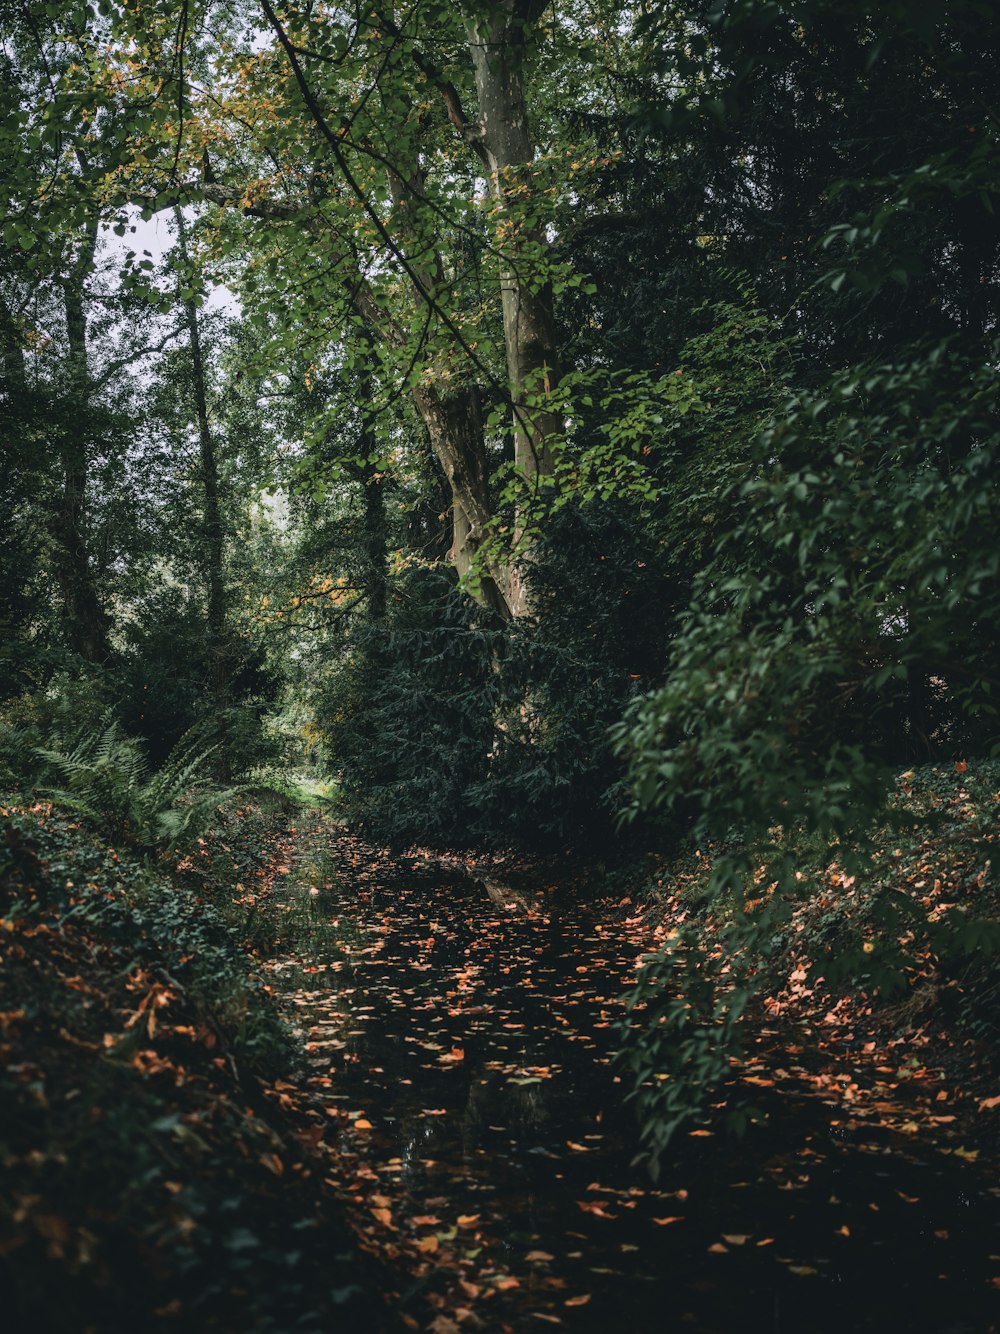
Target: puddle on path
{"points": [[464, 1054]]}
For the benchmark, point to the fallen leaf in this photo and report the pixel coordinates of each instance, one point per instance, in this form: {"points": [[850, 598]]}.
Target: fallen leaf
{"points": [[674, 1218], [577, 1301], [736, 1238]]}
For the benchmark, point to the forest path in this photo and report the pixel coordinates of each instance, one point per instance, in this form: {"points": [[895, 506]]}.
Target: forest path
{"points": [[463, 1059]]}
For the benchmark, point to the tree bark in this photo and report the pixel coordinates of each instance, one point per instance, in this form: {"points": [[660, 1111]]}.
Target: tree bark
{"points": [[219, 664], [214, 530], [503, 137], [86, 620]]}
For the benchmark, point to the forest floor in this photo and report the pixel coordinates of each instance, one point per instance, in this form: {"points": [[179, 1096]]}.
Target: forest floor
{"points": [[450, 1149]]}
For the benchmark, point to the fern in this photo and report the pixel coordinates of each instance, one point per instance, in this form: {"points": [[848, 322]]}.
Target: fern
{"points": [[104, 777]]}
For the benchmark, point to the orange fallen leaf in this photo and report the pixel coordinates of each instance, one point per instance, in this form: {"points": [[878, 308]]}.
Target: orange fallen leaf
{"points": [[674, 1218], [362, 1124], [596, 1209], [700, 1133], [384, 1216], [736, 1238], [717, 1248], [577, 1301], [467, 1220], [542, 1257], [428, 1245]]}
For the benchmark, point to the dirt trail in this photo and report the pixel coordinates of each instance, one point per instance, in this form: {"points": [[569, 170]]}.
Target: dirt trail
{"points": [[463, 1052]]}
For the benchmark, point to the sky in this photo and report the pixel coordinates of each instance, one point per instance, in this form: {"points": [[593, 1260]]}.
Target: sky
{"points": [[155, 236]]}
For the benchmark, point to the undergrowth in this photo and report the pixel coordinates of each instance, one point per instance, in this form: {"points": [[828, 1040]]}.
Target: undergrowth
{"points": [[897, 929], [149, 1178]]}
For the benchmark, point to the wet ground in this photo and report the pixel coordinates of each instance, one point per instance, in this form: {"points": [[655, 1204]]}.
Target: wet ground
{"points": [[463, 1053]]}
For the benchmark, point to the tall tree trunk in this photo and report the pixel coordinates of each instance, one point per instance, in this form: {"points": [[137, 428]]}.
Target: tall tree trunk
{"points": [[375, 526], [455, 428], [503, 137], [214, 529], [375, 544], [86, 620]]}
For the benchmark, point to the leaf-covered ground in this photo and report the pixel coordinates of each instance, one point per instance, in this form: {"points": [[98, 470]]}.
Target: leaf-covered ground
{"points": [[460, 1036], [449, 1147]]}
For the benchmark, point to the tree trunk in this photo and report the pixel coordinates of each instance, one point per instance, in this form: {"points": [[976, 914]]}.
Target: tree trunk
{"points": [[214, 531], [208, 458], [375, 525], [496, 44], [86, 619], [455, 428]]}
